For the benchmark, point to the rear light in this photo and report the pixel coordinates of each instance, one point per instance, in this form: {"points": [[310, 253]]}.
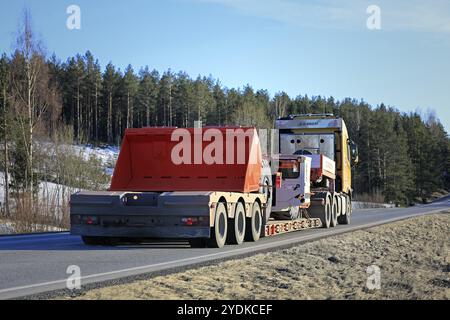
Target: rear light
{"points": [[188, 221], [278, 179], [90, 220], [194, 221]]}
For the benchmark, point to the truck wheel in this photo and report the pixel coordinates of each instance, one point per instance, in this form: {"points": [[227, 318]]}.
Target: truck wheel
{"points": [[254, 224], [345, 219], [323, 212], [219, 231], [334, 211], [236, 226]]}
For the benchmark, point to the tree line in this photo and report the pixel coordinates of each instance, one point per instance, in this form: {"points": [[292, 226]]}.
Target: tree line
{"points": [[403, 156]]}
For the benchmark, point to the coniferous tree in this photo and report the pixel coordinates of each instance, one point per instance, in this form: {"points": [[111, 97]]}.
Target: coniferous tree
{"points": [[130, 89], [110, 82], [93, 82], [165, 110], [148, 96]]}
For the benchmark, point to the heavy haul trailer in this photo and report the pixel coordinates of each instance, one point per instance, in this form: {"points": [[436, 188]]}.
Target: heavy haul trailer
{"points": [[168, 184], [156, 195]]}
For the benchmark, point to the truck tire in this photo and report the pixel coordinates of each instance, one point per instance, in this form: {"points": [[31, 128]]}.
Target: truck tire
{"points": [[236, 226], [322, 212], [99, 241], [254, 224], [345, 219], [334, 211], [219, 231]]}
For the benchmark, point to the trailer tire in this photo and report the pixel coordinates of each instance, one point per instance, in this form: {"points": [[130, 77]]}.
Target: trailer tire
{"points": [[236, 226], [220, 229], [254, 224]]}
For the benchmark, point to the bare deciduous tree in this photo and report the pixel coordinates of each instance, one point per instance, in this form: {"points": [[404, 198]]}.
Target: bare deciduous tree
{"points": [[33, 97]]}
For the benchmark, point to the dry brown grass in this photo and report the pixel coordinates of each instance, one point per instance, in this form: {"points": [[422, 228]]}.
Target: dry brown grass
{"points": [[46, 214]]}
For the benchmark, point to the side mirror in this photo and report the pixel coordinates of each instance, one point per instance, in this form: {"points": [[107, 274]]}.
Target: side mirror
{"points": [[354, 153]]}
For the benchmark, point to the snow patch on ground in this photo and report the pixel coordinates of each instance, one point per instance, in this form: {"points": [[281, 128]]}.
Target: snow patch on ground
{"points": [[6, 227], [107, 154]]}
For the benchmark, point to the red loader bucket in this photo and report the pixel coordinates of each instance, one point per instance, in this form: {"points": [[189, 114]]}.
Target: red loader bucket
{"points": [[201, 159]]}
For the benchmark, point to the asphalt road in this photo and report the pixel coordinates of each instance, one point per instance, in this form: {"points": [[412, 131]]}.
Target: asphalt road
{"points": [[33, 264]]}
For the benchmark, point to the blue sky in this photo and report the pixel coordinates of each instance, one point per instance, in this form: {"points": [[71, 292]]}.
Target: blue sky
{"points": [[318, 47]]}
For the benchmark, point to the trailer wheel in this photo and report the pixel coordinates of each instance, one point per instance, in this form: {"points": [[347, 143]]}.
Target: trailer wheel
{"points": [[236, 226], [334, 211], [220, 229], [254, 224], [345, 219]]}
